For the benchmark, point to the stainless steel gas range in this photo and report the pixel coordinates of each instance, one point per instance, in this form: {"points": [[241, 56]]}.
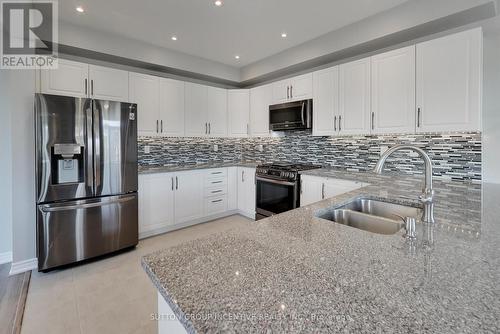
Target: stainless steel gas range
{"points": [[278, 187]]}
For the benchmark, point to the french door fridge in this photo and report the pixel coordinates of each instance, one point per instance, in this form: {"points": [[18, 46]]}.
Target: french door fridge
{"points": [[86, 178]]}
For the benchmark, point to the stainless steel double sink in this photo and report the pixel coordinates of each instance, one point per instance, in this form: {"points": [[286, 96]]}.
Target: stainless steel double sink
{"points": [[372, 215]]}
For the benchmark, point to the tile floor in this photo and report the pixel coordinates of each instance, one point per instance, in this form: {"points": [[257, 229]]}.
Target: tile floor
{"points": [[112, 295]]}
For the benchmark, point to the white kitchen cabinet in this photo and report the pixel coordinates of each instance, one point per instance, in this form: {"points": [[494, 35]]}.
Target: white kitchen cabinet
{"points": [[217, 107], [189, 196], [196, 97], [260, 100], [69, 79], [239, 112], [354, 97], [156, 203], [246, 191], [171, 107], [326, 102], [393, 91], [232, 188], [315, 188], [293, 89], [145, 91], [73, 78], [108, 83], [310, 190], [449, 75]]}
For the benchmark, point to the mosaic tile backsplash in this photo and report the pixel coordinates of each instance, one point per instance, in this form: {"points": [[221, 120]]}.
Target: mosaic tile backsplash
{"points": [[455, 156]]}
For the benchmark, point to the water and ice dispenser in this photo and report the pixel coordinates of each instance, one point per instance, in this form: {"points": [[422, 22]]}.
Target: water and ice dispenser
{"points": [[67, 163]]}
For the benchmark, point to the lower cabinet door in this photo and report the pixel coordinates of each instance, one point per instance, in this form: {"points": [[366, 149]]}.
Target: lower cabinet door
{"points": [[310, 190], [189, 196], [246, 190], [156, 202]]}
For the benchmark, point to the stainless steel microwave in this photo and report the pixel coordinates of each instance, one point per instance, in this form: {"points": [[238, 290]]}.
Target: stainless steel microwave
{"points": [[291, 116]]}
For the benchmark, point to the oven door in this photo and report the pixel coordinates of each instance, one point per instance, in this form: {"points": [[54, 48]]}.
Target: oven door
{"points": [[275, 196]]}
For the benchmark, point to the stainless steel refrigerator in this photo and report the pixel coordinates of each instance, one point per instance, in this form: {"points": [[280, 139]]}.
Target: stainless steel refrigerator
{"points": [[86, 178]]}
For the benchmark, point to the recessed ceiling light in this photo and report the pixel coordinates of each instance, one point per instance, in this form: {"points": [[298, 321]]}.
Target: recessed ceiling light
{"points": [[174, 38], [80, 9], [237, 57], [283, 34], [218, 3]]}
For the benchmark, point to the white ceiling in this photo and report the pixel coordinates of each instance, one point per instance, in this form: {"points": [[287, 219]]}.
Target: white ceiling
{"points": [[248, 28]]}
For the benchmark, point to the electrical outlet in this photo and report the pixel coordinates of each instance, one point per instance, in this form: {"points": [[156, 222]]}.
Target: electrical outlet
{"points": [[383, 149], [216, 148], [260, 148], [147, 149]]}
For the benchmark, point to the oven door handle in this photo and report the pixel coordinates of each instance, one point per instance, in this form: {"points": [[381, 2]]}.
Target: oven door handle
{"points": [[275, 181]]}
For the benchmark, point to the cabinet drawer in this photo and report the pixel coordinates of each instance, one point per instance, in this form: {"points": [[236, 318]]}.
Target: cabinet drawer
{"points": [[215, 205], [216, 182], [216, 191], [216, 173]]}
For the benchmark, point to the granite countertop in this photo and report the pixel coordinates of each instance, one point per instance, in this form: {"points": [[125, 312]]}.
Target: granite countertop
{"points": [[295, 272], [177, 168]]}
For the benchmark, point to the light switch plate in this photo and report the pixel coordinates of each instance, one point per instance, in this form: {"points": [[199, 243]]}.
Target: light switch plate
{"points": [[216, 148], [147, 149], [260, 148]]}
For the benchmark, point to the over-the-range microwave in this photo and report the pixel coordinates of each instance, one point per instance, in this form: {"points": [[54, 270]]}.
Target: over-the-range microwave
{"points": [[291, 116]]}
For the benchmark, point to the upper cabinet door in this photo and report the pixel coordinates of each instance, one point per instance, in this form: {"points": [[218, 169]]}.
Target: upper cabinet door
{"points": [[281, 91], [108, 83], [145, 91], [171, 107], [393, 91], [239, 112], [354, 99], [301, 87], [260, 100], [449, 74], [69, 79], [326, 102], [195, 113], [217, 112]]}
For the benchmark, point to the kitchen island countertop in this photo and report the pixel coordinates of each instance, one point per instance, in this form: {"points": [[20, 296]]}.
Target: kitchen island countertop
{"points": [[295, 272]]}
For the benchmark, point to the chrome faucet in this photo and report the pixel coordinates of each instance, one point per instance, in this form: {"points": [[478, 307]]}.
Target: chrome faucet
{"points": [[427, 197]]}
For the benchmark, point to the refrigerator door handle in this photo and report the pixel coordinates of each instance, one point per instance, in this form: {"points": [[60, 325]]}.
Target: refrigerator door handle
{"points": [[90, 144], [97, 146], [48, 208]]}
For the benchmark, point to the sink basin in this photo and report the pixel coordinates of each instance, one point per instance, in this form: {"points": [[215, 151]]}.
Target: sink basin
{"points": [[371, 215]]}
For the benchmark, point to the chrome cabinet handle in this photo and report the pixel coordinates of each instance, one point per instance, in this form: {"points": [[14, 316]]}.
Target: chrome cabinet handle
{"points": [[418, 117], [242, 176], [172, 179], [291, 92], [206, 128], [219, 200], [161, 126], [176, 183], [216, 191], [335, 123], [86, 86], [340, 120], [301, 187], [287, 92], [156, 126], [209, 128], [322, 191], [92, 87], [373, 120], [248, 129]]}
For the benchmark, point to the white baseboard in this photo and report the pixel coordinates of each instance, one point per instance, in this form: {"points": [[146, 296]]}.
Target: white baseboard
{"points": [[5, 257], [165, 229], [23, 266]]}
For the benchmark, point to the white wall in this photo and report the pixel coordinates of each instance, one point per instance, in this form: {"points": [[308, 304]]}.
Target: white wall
{"points": [[17, 114], [5, 167], [491, 102]]}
